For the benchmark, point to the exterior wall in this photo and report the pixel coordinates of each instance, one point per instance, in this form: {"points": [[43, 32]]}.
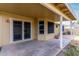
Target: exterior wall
{"points": [[5, 29], [35, 29], [50, 35], [57, 29], [5, 35], [47, 36]]}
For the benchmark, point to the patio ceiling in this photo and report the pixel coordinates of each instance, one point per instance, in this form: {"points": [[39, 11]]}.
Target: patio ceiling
{"points": [[36, 10], [33, 10]]}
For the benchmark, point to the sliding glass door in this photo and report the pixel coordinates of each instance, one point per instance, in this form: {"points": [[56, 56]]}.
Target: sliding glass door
{"points": [[27, 30], [21, 30], [17, 30]]}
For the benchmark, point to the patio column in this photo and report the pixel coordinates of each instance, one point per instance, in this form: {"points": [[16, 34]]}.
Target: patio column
{"points": [[61, 33], [71, 31]]}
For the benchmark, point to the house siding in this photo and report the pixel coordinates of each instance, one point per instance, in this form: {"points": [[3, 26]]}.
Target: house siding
{"points": [[47, 36], [5, 28]]}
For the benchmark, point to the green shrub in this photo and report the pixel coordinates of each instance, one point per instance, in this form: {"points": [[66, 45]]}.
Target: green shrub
{"points": [[72, 50]]}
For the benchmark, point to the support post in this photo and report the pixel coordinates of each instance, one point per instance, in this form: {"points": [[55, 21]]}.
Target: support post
{"points": [[71, 30], [0, 48], [61, 33]]}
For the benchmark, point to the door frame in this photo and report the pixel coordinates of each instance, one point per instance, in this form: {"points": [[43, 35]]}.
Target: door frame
{"points": [[11, 30]]}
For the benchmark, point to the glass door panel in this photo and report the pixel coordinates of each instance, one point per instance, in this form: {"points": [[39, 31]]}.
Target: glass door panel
{"points": [[27, 30], [17, 30]]}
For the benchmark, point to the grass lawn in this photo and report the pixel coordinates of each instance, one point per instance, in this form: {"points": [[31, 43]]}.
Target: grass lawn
{"points": [[72, 49]]}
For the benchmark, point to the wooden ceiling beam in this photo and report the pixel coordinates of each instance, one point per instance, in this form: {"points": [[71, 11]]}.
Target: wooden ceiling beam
{"points": [[53, 8], [59, 5], [65, 10]]}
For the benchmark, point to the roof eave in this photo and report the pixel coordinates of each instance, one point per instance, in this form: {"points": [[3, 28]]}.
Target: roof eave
{"points": [[72, 12], [52, 8]]}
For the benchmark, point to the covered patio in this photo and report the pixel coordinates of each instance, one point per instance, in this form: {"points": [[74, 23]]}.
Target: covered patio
{"points": [[38, 38], [35, 47]]}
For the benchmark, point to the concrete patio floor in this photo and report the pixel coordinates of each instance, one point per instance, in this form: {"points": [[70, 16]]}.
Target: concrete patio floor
{"points": [[34, 48]]}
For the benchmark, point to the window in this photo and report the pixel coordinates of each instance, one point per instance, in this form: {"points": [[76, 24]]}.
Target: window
{"points": [[50, 27], [21, 30], [41, 27], [17, 30], [27, 30]]}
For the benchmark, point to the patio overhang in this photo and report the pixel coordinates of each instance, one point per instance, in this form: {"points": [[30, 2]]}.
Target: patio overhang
{"points": [[61, 9], [37, 10], [32, 10]]}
